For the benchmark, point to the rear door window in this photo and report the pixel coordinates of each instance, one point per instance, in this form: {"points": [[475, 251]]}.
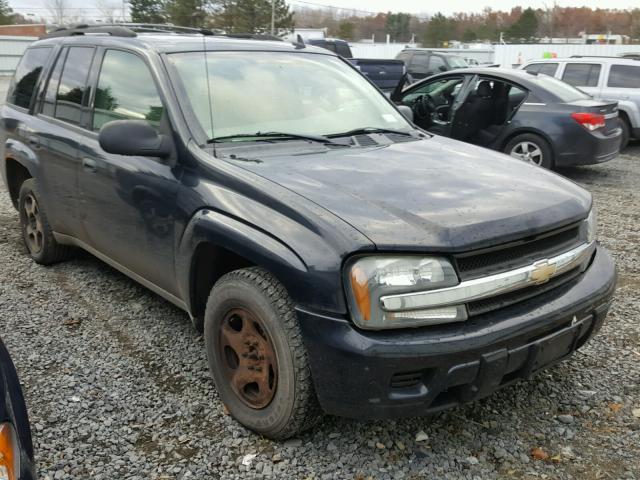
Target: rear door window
{"points": [[72, 90], [419, 63], [435, 62], [125, 97], [544, 68], [624, 76], [582, 74], [27, 76]]}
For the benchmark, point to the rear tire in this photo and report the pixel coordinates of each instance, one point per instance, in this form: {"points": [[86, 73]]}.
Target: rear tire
{"points": [[256, 355], [626, 132], [530, 148], [36, 231]]}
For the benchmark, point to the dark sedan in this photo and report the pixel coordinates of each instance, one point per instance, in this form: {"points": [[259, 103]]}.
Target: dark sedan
{"points": [[16, 450], [532, 117]]}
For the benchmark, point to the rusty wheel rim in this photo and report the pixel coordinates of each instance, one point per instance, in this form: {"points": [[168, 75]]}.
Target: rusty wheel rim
{"points": [[34, 231], [248, 358]]}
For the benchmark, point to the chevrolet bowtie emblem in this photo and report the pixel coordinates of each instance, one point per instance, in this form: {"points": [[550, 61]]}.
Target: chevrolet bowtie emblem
{"points": [[542, 271]]}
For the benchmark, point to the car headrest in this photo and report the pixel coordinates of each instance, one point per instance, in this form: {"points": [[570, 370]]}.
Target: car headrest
{"points": [[484, 89]]}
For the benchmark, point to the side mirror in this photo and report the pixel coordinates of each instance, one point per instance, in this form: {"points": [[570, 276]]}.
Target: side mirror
{"points": [[442, 68], [406, 111], [134, 138]]}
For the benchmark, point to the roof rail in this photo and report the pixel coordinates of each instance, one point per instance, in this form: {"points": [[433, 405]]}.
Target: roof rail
{"points": [[618, 57], [124, 30], [115, 31]]}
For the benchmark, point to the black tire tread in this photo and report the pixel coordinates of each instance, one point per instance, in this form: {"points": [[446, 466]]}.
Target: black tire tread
{"points": [[306, 410], [53, 252]]}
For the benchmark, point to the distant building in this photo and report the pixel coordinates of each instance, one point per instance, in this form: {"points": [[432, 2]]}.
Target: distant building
{"points": [[25, 30]]}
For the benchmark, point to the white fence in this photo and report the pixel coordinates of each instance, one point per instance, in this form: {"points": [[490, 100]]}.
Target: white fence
{"points": [[378, 50], [508, 55], [11, 49]]}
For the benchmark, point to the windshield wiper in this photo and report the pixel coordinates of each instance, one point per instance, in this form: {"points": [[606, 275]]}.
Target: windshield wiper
{"points": [[365, 130], [277, 135]]}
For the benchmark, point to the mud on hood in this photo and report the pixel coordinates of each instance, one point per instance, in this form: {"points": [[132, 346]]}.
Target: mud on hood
{"points": [[435, 194]]}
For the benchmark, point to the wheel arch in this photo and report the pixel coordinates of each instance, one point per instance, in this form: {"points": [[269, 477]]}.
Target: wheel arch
{"points": [[529, 130], [214, 244], [16, 174]]}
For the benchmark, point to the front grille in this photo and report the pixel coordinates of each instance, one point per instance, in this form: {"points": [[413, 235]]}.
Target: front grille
{"points": [[494, 303], [516, 254]]}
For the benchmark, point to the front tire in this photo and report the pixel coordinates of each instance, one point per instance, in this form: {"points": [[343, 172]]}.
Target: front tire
{"points": [[530, 148], [36, 231], [256, 355]]}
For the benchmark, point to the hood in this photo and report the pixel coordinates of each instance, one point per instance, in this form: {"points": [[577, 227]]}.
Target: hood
{"points": [[435, 194]]}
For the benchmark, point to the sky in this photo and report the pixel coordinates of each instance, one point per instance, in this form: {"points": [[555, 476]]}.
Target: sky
{"points": [[93, 8]]}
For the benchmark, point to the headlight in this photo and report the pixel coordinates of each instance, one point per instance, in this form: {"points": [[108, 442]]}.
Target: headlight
{"points": [[591, 224], [370, 278]]}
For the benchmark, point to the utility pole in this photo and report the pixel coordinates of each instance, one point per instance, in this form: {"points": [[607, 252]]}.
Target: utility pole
{"points": [[273, 17]]}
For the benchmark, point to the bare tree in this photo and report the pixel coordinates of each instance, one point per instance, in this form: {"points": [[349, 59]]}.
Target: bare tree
{"points": [[110, 10], [59, 10]]}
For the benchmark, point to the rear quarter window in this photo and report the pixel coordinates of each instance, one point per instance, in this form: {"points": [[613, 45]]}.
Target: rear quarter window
{"points": [[624, 76], [27, 76], [544, 68], [564, 92], [582, 74]]}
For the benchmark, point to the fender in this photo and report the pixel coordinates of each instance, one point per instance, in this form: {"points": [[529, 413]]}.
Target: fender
{"points": [[306, 286], [632, 110]]}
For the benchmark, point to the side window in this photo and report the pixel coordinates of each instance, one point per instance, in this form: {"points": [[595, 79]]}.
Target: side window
{"points": [[73, 84], [448, 88], [419, 63], [343, 50], [582, 74], [544, 68], [435, 62], [27, 75], [624, 76], [548, 69], [533, 67], [125, 97]]}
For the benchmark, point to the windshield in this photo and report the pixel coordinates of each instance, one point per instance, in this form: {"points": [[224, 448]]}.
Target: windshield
{"points": [[565, 92], [457, 62], [302, 94]]}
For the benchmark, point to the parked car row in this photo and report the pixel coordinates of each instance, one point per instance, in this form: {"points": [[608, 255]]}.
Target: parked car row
{"points": [[604, 78], [338, 257]]}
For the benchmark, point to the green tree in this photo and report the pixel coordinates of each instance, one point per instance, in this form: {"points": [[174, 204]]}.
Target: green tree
{"points": [[147, 11], [469, 36], [397, 26], [439, 30], [525, 28], [187, 13], [253, 16], [6, 14], [346, 30]]}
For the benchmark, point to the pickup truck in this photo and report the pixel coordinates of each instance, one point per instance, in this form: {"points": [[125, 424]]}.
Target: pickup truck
{"points": [[385, 74], [337, 258]]}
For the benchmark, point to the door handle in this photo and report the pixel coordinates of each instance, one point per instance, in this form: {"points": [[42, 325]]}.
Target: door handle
{"points": [[89, 165]]}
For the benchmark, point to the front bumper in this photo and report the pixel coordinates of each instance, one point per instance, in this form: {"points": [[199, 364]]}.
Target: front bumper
{"points": [[401, 373]]}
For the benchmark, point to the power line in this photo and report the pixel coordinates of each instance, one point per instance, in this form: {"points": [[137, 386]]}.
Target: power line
{"points": [[355, 10]]}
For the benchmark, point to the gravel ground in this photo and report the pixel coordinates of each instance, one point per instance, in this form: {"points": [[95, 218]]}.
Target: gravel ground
{"points": [[117, 384]]}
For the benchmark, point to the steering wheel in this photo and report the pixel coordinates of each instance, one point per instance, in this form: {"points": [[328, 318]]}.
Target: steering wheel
{"points": [[426, 107]]}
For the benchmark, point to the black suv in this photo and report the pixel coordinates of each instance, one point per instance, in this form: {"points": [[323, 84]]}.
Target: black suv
{"points": [[338, 258], [422, 62]]}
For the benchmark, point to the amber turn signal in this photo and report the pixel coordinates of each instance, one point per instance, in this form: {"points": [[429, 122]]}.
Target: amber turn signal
{"points": [[9, 453], [360, 288]]}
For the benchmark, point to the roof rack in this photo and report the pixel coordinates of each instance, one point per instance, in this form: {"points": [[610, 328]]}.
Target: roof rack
{"points": [[606, 56], [125, 30], [132, 30]]}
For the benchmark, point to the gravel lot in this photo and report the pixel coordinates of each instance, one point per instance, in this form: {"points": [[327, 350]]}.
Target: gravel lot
{"points": [[117, 384]]}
